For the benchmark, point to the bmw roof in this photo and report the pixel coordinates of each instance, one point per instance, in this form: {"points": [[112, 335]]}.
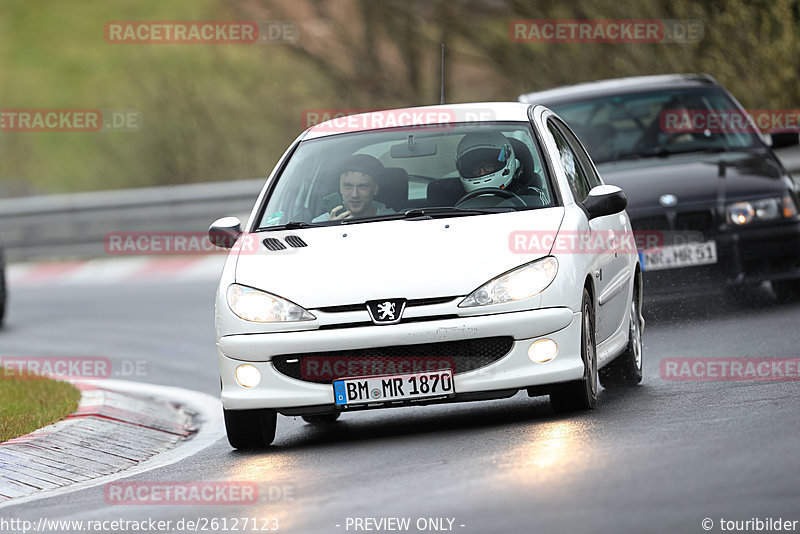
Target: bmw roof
{"points": [[600, 88]]}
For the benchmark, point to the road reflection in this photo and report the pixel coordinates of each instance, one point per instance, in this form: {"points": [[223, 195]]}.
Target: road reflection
{"points": [[549, 452]]}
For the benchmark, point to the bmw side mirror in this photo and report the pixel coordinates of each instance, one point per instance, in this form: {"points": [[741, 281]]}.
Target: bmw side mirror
{"points": [[224, 232], [605, 200]]}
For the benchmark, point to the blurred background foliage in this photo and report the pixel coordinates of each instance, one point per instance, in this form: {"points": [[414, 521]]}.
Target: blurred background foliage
{"points": [[224, 112]]}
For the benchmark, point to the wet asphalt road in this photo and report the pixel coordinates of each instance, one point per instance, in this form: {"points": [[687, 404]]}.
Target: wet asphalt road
{"points": [[657, 458]]}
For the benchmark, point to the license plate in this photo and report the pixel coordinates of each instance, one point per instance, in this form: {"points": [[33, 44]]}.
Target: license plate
{"points": [[382, 389], [684, 255]]}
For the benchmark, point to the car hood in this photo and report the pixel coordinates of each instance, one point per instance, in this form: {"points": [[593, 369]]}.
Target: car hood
{"points": [[409, 259], [695, 178]]}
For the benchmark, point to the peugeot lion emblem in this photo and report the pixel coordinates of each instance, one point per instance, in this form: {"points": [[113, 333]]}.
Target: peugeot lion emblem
{"points": [[667, 200], [386, 311]]}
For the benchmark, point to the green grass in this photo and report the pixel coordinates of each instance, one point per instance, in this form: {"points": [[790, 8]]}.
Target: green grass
{"points": [[210, 112], [30, 402]]}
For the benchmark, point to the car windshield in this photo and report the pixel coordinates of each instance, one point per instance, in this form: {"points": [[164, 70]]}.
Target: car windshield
{"points": [[410, 172], [658, 123]]}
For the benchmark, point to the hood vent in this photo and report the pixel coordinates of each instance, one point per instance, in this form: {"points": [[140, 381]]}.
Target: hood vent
{"points": [[295, 241], [274, 244]]}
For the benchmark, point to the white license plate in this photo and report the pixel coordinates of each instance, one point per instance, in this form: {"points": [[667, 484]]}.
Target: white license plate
{"points": [[685, 255], [380, 389]]}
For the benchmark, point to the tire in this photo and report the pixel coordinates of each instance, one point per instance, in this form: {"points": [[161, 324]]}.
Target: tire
{"points": [[580, 394], [321, 419], [786, 290], [626, 369], [250, 429]]}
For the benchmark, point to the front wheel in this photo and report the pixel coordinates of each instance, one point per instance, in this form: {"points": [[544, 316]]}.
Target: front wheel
{"points": [[626, 369], [580, 394], [250, 429]]}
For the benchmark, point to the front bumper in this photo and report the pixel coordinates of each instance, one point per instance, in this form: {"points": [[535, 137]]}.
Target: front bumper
{"points": [[745, 256], [513, 371]]}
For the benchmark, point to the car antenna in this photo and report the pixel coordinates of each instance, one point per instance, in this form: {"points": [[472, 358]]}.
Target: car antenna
{"points": [[441, 98]]}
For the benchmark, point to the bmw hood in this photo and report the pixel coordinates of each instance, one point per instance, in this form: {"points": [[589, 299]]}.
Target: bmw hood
{"points": [[412, 259], [695, 178]]}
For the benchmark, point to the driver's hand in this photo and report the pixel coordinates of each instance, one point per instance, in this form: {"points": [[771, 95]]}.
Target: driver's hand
{"points": [[338, 213]]}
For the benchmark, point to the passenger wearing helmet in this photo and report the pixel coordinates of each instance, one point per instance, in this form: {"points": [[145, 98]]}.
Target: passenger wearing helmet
{"points": [[486, 159]]}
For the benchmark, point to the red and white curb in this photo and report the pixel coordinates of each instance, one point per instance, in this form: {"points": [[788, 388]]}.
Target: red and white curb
{"points": [[119, 429], [113, 270]]}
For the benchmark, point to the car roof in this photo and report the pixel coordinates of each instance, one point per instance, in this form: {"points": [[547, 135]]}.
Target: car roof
{"points": [[448, 113], [616, 86]]}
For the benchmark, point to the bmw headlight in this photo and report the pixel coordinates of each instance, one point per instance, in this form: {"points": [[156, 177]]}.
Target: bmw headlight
{"points": [[261, 307], [766, 209], [521, 283]]}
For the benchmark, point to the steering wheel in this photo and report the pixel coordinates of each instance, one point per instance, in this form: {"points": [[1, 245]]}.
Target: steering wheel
{"points": [[496, 191]]}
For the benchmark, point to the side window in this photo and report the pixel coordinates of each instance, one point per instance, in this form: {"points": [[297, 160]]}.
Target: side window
{"points": [[583, 157], [575, 175]]}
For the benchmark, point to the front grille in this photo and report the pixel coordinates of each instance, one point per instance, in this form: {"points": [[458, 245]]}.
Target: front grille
{"points": [[700, 221], [406, 320], [680, 227], [461, 356], [363, 305]]}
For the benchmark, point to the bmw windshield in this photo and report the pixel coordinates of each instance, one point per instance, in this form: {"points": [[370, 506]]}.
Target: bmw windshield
{"points": [[659, 123], [433, 171]]}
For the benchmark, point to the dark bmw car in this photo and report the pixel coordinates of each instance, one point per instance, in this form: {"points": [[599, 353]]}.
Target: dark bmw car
{"points": [[698, 173]]}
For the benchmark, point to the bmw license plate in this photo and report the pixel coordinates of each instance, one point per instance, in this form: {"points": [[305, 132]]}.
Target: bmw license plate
{"points": [[391, 388], [684, 255]]}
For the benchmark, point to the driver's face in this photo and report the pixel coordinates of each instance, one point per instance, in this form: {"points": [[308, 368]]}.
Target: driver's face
{"points": [[484, 167], [358, 190]]}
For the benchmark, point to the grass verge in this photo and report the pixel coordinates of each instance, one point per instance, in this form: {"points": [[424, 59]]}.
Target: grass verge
{"points": [[28, 402]]}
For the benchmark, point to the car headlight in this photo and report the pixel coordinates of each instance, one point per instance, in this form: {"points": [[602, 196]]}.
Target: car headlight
{"points": [[521, 283], [766, 209], [261, 307]]}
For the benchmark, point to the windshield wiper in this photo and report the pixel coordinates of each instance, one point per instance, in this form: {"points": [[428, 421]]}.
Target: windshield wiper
{"points": [[446, 211], [716, 149], [292, 225], [430, 213]]}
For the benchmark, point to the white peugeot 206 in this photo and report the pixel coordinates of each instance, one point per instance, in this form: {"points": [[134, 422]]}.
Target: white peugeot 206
{"points": [[426, 255]]}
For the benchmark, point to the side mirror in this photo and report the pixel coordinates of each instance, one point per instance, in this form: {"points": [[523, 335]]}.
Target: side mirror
{"points": [[605, 200], [784, 139], [224, 232]]}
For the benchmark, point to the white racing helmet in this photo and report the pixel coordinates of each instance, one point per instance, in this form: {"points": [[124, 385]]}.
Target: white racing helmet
{"points": [[485, 159]]}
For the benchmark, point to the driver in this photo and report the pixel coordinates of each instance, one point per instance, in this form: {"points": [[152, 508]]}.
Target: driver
{"points": [[486, 160], [358, 185]]}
